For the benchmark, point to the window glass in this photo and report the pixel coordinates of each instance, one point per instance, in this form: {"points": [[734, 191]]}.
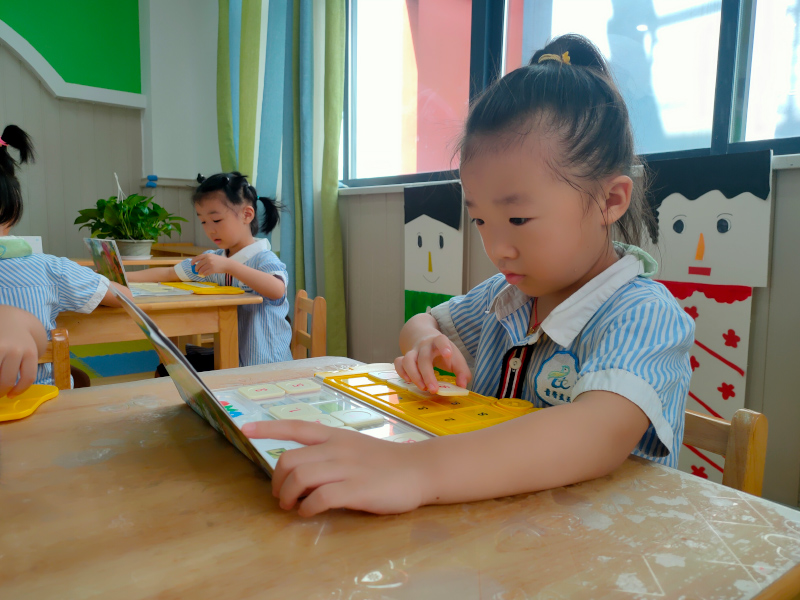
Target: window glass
{"points": [[410, 83], [770, 80], [663, 54]]}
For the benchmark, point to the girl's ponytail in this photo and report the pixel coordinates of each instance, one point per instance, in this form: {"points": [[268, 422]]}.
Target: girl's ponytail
{"points": [[271, 214], [10, 192], [16, 138]]}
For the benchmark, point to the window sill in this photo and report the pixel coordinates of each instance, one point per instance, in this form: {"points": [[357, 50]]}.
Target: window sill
{"points": [[386, 189]]}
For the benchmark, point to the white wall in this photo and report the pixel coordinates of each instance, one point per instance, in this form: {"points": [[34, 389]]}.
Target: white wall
{"points": [[79, 146], [179, 74]]}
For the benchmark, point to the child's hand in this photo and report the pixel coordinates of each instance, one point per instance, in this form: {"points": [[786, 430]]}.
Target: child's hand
{"points": [[206, 264], [417, 364], [343, 469], [19, 355]]}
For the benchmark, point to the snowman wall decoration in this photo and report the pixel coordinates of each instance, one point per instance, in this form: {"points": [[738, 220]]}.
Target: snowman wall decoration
{"points": [[434, 246], [713, 230]]}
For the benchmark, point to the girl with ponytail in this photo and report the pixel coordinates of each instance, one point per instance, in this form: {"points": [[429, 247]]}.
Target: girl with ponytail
{"points": [[41, 284], [571, 324], [227, 206]]}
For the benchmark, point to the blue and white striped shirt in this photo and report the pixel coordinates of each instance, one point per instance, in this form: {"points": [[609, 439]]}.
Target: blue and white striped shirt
{"points": [[47, 285], [621, 332], [264, 332]]}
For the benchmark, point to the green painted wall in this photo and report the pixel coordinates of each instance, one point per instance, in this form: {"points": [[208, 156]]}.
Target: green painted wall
{"points": [[89, 42]]}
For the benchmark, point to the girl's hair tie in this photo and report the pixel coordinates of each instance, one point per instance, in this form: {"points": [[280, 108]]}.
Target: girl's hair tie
{"points": [[3, 143], [562, 58]]}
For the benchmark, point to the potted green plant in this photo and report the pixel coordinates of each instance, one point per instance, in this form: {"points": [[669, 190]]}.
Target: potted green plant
{"points": [[135, 222]]}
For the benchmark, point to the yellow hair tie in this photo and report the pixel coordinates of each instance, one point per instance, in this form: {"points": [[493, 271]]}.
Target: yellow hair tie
{"points": [[563, 58]]}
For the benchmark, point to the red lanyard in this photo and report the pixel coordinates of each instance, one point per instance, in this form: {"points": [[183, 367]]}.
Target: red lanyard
{"points": [[536, 322]]}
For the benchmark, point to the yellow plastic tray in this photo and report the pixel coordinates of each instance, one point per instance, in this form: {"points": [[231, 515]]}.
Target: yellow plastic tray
{"points": [[27, 402], [204, 288], [442, 415]]}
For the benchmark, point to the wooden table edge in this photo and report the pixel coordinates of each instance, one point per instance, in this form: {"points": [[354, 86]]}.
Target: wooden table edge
{"points": [[786, 587]]}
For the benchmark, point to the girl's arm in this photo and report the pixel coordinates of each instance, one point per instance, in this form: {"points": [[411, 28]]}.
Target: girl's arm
{"points": [[262, 283], [549, 448], [22, 340], [153, 275], [111, 300]]}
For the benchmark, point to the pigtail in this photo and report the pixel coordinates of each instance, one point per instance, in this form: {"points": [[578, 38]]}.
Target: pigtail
{"points": [[16, 138], [271, 214], [10, 192]]}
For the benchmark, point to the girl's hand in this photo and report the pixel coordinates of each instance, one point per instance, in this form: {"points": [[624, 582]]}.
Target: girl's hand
{"points": [[343, 469], [417, 364], [19, 356], [207, 264]]}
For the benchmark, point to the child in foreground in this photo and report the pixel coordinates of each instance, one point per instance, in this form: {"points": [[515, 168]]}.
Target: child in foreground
{"points": [[572, 322], [22, 341], [40, 284], [226, 205]]}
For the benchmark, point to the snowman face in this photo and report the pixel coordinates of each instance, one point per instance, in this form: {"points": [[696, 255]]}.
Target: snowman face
{"points": [[714, 239], [434, 256]]}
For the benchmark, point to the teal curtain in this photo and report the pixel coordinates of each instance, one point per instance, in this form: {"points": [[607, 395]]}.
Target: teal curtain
{"points": [[282, 138]]}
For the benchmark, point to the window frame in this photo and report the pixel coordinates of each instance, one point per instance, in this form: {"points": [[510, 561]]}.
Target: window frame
{"points": [[737, 21]]}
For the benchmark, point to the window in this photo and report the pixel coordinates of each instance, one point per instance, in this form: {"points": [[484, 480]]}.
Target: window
{"points": [[769, 73], [699, 76], [663, 54], [409, 84]]}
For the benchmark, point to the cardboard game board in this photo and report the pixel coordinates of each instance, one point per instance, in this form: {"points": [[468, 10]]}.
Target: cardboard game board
{"points": [[439, 414]]}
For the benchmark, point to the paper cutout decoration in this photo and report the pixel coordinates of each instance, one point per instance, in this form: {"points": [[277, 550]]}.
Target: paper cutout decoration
{"points": [[714, 218], [713, 248], [718, 358], [434, 246]]}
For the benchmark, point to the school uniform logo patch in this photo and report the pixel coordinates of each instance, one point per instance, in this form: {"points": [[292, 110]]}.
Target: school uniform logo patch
{"points": [[556, 378]]}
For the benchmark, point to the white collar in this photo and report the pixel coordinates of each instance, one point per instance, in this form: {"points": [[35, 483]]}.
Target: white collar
{"points": [[249, 251], [571, 316]]}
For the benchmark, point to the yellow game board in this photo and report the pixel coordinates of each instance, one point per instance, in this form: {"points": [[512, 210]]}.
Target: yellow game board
{"points": [[203, 287], [443, 415]]}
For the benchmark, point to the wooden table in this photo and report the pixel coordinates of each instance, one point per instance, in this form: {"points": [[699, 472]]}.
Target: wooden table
{"points": [[159, 261], [123, 492], [175, 315]]}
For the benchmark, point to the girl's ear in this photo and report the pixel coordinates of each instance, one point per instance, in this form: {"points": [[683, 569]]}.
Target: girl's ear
{"points": [[618, 192], [248, 214]]}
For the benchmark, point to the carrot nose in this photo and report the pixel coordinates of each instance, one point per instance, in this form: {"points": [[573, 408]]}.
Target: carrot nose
{"points": [[701, 248], [430, 263]]}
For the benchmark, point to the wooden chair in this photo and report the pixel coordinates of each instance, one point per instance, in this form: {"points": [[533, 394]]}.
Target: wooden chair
{"points": [[742, 441], [305, 343], [58, 353]]}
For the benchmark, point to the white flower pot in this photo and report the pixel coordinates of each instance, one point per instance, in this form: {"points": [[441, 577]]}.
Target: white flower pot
{"points": [[134, 249]]}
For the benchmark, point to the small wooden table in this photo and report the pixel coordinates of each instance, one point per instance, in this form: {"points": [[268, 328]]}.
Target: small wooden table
{"points": [[175, 315], [123, 492], [148, 262]]}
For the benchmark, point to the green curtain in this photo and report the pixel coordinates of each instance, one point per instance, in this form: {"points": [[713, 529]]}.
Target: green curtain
{"points": [[278, 144]]}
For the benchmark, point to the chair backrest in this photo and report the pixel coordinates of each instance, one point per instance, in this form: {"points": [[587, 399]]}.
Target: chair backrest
{"points": [[309, 342], [742, 441], [58, 353]]}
